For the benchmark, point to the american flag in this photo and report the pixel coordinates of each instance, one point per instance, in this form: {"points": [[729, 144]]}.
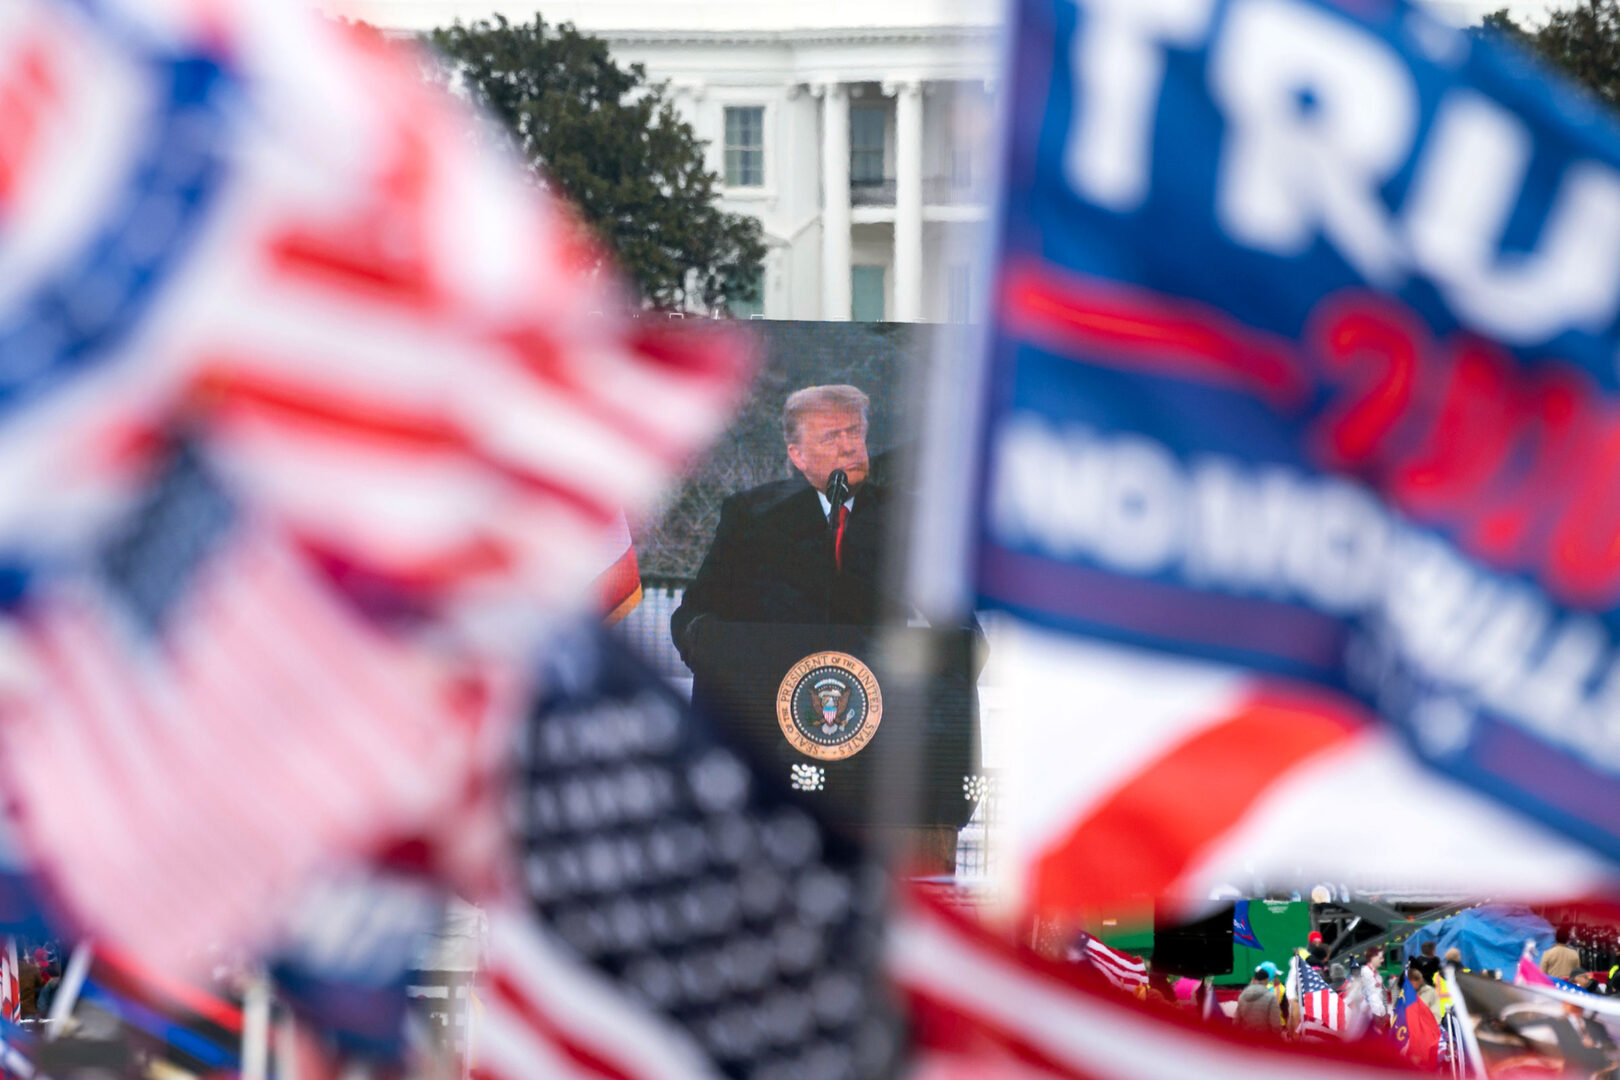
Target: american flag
{"points": [[1321, 1011], [413, 416], [202, 670], [1120, 968], [681, 917]]}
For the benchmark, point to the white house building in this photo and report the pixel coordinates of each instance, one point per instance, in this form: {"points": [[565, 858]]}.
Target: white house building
{"points": [[859, 132]]}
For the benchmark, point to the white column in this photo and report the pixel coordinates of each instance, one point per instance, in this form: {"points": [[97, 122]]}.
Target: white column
{"points": [[908, 202], [834, 201]]}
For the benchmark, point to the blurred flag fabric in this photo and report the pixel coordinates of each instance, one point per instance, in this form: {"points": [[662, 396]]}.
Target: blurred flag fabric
{"points": [[310, 422], [19, 1049], [345, 955], [186, 1027], [676, 913], [165, 998], [618, 588], [1296, 436], [201, 672]]}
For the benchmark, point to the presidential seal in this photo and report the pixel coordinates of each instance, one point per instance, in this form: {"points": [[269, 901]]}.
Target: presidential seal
{"points": [[829, 706]]}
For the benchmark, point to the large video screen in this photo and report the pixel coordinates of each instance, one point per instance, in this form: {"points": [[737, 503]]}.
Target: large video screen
{"points": [[771, 583]]}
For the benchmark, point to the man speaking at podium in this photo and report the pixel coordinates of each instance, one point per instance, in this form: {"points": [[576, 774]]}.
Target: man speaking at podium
{"points": [[777, 625], [782, 552]]}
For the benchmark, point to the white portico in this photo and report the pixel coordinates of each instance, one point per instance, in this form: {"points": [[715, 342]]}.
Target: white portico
{"points": [[859, 132]]}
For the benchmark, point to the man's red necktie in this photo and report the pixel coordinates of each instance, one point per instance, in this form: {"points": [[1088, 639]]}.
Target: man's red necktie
{"points": [[838, 536]]}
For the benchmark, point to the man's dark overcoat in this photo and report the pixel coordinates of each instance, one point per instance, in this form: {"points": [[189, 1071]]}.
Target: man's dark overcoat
{"points": [[772, 562]]}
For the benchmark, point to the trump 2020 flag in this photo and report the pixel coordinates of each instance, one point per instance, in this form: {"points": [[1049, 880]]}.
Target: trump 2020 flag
{"points": [[1300, 409], [1242, 929]]}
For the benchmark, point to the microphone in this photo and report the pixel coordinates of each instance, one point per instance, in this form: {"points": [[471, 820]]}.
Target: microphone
{"points": [[837, 494], [837, 491]]}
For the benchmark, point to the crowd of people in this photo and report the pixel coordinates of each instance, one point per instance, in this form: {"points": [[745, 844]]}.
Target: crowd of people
{"points": [[1374, 997], [1372, 1000], [1368, 996], [1586, 965]]}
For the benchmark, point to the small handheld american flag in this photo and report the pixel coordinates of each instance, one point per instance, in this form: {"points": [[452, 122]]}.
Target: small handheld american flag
{"points": [[1120, 968], [1321, 1011]]}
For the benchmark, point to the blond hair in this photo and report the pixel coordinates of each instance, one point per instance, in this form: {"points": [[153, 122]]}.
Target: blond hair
{"points": [[840, 397]]}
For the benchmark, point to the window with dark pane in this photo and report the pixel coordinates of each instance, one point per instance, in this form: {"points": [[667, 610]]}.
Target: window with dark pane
{"points": [[749, 301], [866, 293], [866, 128], [745, 146]]}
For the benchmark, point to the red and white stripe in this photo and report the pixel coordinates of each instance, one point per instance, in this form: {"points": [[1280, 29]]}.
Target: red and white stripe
{"points": [[981, 1007], [548, 1017], [400, 358], [393, 343], [1145, 777], [1120, 968], [10, 983], [426, 383], [618, 588], [1322, 1014], [193, 783]]}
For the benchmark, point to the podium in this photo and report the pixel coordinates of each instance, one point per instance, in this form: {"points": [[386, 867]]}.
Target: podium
{"points": [[816, 704]]}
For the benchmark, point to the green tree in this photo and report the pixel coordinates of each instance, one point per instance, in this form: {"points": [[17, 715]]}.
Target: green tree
{"points": [[1583, 40], [614, 145], [1500, 22]]}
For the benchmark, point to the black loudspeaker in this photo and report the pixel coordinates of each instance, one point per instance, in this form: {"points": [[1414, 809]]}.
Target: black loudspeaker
{"points": [[1195, 949]]}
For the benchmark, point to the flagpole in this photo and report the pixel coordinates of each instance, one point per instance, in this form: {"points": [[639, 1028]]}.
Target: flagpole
{"points": [[469, 1055], [256, 1028], [1291, 993], [67, 995], [287, 1047], [1465, 1024]]}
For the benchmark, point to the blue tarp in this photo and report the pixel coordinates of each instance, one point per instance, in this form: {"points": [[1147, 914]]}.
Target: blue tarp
{"points": [[1489, 937]]}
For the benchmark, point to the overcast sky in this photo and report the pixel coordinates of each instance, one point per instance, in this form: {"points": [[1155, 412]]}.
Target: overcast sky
{"points": [[1468, 12]]}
